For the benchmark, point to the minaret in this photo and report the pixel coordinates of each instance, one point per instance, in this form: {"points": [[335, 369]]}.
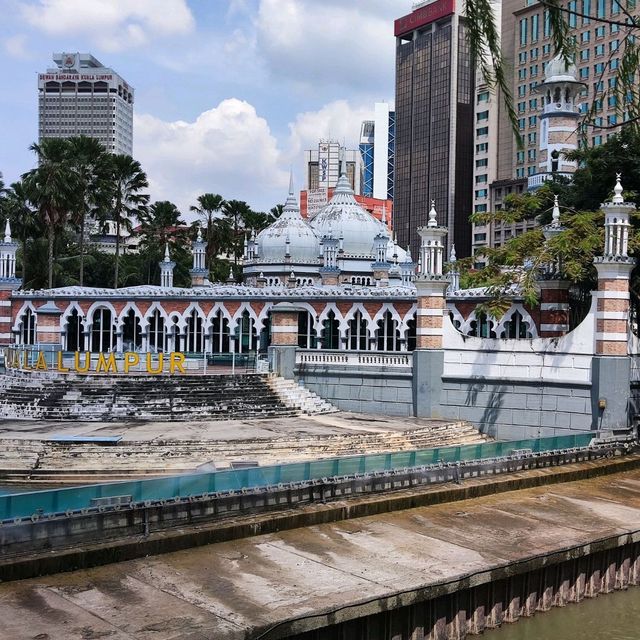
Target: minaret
{"points": [[8, 250], [166, 269], [454, 272], [408, 269], [199, 271], [431, 284], [558, 121], [554, 289]]}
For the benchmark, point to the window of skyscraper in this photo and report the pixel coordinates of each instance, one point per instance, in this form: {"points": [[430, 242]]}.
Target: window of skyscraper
{"points": [[600, 9], [572, 16], [598, 68], [600, 32], [482, 115], [522, 57], [547, 24], [615, 7], [599, 50], [586, 10], [534, 27], [483, 96], [482, 131], [584, 55], [523, 32]]}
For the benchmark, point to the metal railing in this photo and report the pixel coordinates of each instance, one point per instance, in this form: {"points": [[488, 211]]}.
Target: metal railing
{"points": [[74, 499]]}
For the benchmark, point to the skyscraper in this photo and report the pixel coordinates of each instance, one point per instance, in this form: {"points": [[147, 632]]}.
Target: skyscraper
{"points": [[377, 148], [80, 96], [434, 123]]}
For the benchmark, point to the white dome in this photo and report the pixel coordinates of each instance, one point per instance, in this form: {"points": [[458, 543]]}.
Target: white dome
{"points": [[558, 70], [289, 233], [344, 218]]}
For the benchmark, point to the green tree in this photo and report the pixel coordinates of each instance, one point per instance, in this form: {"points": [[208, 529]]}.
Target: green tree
{"points": [[89, 161], [217, 228], [236, 212], [160, 225], [24, 221], [128, 200], [51, 188], [523, 260]]}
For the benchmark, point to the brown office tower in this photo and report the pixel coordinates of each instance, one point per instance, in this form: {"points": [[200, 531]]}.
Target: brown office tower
{"points": [[434, 123]]}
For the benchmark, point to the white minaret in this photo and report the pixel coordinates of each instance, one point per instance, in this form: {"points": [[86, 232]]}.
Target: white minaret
{"points": [[431, 246], [199, 271], [166, 269], [8, 250], [559, 119]]}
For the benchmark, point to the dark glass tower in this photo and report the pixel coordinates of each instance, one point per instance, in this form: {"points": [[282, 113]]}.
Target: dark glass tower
{"points": [[434, 124]]}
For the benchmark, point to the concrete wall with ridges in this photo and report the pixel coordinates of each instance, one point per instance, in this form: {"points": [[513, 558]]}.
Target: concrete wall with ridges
{"points": [[385, 391], [513, 410]]}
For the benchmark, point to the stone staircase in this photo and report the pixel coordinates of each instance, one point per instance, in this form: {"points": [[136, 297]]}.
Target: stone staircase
{"points": [[71, 462], [295, 395], [213, 397]]}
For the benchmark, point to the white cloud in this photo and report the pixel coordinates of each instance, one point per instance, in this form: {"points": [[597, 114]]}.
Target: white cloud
{"points": [[228, 150], [338, 120], [16, 46], [330, 42], [111, 24]]}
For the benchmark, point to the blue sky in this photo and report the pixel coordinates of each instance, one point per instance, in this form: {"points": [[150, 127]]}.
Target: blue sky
{"points": [[229, 93]]}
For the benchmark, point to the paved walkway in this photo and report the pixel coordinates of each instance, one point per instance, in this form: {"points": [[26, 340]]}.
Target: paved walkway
{"points": [[228, 590]]}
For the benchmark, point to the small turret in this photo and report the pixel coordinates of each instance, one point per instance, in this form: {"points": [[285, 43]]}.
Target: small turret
{"points": [[166, 269]]}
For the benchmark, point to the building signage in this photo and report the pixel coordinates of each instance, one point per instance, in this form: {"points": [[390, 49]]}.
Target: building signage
{"points": [[60, 77], [424, 15], [316, 199], [82, 362]]}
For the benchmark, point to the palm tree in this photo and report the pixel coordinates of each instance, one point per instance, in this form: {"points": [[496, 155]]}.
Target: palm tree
{"points": [[128, 181], [217, 230], [24, 220], [88, 157], [160, 225], [50, 187], [236, 212]]}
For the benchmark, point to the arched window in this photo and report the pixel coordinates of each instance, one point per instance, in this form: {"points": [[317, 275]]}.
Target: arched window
{"points": [[195, 336], [387, 334], [411, 334], [174, 336], [246, 334], [482, 327], [306, 334], [131, 332], [330, 332], [357, 335], [516, 327], [74, 332], [157, 333], [102, 331], [28, 327], [220, 333]]}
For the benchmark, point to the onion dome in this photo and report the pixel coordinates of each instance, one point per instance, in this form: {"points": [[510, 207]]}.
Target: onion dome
{"points": [[345, 218], [558, 70], [289, 238]]}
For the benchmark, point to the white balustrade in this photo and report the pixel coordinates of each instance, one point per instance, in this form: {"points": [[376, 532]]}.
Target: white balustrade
{"points": [[355, 358]]}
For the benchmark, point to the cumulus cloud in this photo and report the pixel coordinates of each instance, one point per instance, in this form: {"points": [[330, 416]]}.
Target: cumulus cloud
{"points": [[333, 41], [111, 24], [339, 120], [228, 150], [16, 46]]}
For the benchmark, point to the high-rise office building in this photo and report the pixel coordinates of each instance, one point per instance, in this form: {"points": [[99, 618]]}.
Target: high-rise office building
{"points": [[434, 123], [80, 96], [377, 148]]}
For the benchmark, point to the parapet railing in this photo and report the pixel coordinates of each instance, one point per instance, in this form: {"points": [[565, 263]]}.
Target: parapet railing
{"points": [[81, 499], [402, 359]]}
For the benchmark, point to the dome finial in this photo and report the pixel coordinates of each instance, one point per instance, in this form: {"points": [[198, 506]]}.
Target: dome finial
{"points": [[166, 252], [433, 216], [7, 231], [452, 254], [617, 191], [199, 236], [290, 181]]}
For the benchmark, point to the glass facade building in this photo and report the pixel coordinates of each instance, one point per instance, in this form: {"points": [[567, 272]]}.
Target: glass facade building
{"points": [[434, 142]]}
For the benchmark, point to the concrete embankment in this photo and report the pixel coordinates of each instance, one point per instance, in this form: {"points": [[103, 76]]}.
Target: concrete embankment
{"points": [[442, 571]]}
